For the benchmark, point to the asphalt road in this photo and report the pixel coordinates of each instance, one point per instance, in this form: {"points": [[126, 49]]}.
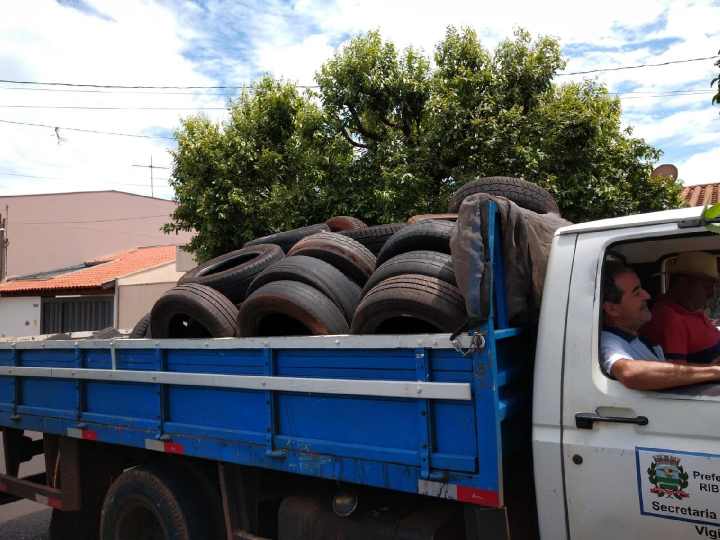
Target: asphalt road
{"points": [[24, 520]]}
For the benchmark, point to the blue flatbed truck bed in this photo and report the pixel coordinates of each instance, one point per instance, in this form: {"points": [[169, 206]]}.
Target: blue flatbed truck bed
{"points": [[410, 413]]}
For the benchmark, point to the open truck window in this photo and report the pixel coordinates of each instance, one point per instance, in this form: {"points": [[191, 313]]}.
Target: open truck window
{"points": [[653, 260]]}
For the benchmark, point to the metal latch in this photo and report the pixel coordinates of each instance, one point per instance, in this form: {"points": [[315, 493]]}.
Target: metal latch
{"points": [[475, 344]]}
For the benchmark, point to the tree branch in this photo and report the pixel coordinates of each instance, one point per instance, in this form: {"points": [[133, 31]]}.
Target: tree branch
{"points": [[347, 136]]}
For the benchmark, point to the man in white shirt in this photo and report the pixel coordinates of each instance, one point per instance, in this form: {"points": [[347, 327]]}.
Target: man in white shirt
{"points": [[623, 354]]}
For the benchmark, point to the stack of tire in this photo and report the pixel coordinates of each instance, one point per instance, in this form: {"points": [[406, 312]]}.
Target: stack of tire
{"points": [[332, 278]]}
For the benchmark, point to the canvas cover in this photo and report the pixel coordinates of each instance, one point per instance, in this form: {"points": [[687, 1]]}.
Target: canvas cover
{"points": [[526, 240]]}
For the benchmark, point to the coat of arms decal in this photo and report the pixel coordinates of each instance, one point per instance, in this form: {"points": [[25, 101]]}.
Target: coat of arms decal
{"points": [[668, 477]]}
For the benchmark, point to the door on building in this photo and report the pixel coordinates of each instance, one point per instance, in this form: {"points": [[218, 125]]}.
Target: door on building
{"points": [[76, 314]]}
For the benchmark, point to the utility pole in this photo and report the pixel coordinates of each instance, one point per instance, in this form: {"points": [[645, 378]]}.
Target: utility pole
{"points": [[151, 167], [3, 247]]}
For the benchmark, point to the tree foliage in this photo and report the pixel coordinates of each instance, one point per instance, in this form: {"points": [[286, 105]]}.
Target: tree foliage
{"points": [[391, 133]]}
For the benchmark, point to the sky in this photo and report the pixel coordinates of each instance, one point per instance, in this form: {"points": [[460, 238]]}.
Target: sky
{"points": [[233, 42]]}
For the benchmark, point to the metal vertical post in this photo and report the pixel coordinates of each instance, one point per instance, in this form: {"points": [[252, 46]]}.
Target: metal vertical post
{"points": [[422, 371]]}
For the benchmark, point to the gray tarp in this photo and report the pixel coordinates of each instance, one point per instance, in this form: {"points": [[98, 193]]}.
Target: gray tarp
{"points": [[526, 240]]}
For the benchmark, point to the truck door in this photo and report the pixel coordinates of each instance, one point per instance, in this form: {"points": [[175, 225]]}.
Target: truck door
{"points": [[637, 464]]}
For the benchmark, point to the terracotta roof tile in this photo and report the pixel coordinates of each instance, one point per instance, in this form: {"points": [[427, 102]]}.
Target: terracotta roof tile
{"points": [[697, 195], [121, 264]]}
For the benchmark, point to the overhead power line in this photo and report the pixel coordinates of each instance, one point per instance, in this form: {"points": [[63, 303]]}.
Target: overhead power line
{"points": [[140, 86], [640, 65], [98, 132], [78, 107], [250, 87], [56, 178]]}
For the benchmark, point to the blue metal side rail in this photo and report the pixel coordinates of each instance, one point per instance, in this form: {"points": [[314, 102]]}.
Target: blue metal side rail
{"points": [[408, 413]]}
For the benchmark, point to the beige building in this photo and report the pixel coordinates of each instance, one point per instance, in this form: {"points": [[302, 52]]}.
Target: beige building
{"points": [[54, 231]]}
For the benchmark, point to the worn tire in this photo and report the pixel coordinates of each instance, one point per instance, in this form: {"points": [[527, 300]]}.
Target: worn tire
{"points": [[345, 223], [193, 311], [317, 273], [410, 304], [232, 272], [284, 308], [426, 235], [519, 191], [374, 237], [347, 255], [288, 239], [150, 502], [431, 217], [141, 328], [108, 332], [426, 263]]}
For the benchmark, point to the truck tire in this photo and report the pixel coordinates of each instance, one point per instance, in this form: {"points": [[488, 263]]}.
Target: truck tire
{"points": [[344, 223], [410, 304], [426, 263], [141, 328], [432, 217], [232, 272], [426, 235], [193, 311], [148, 502], [519, 191], [283, 308], [347, 255], [288, 239], [323, 276], [374, 238]]}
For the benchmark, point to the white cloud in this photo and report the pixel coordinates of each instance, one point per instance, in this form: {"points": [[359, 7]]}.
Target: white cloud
{"points": [[148, 43], [701, 168]]}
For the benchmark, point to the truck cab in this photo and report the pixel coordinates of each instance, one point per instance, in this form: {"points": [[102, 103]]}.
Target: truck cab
{"points": [[609, 461]]}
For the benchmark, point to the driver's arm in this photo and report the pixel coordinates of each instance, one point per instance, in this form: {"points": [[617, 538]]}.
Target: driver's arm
{"points": [[654, 375]]}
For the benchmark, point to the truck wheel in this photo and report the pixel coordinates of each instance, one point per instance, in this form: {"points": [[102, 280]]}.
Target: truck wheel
{"points": [[426, 263], [288, 239], [290, 308], [410, 304], [519, 191], [347, 255], [344, 223], [147, 502], [316, 273], [141, 328], [374, 237], [426, 235], [232, 272], [193, 311]]}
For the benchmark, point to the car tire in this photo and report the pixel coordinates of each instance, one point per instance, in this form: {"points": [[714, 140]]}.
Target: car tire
{"points": [[426, 235], [317, 273], [519, 191], [231, 273], [426, 263], [282, 308], [374, 237], [347, 255], [410, 304], [193, 311], [432, 217], [344, 223], [288, 239]]}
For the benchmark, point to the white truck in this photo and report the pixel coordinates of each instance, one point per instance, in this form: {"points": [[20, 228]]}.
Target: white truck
{"points": [[373, 437], [611, 462]]}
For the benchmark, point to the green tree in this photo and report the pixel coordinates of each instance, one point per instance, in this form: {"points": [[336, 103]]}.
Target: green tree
{"points": [[269, 168], [390, 134]]}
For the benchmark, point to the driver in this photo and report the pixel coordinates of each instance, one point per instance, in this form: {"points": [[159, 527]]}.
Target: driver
{"points": [[623, 354], [679, 323]]}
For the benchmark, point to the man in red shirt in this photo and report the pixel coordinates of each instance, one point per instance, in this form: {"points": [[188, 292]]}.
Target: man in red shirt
{"points": [[679, 323]]}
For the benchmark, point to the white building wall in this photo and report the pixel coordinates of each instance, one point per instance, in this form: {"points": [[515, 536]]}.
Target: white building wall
{"points": [[20, 316]]}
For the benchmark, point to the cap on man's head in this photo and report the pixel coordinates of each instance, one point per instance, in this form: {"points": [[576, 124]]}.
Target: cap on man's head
{"points": [[694, 263]]}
